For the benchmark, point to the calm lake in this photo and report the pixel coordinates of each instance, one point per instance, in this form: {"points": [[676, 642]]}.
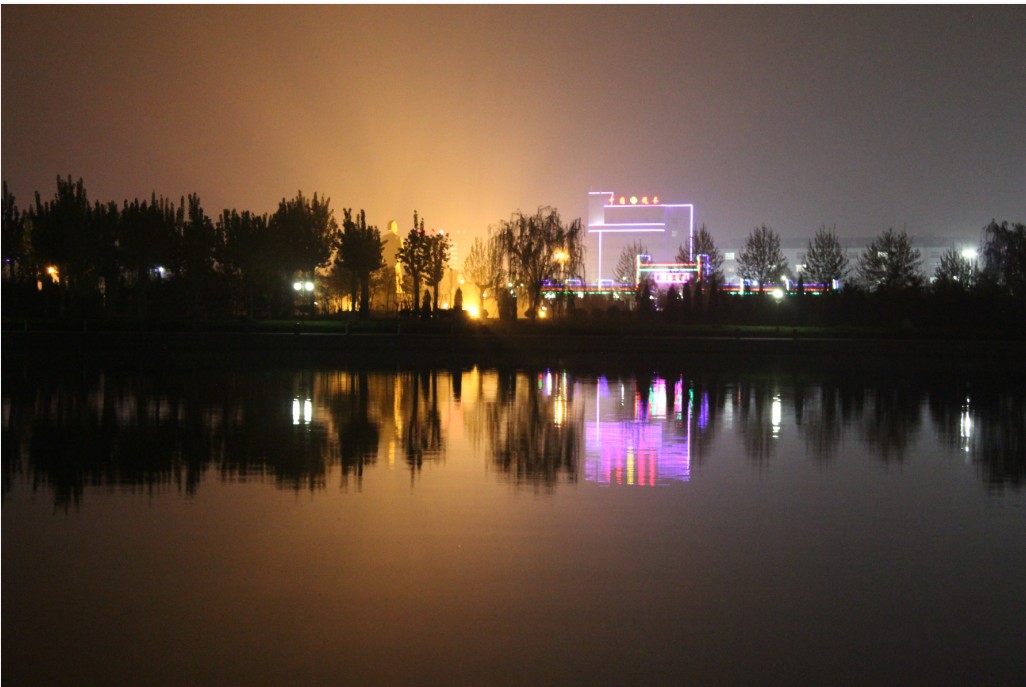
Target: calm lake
{"points": [[308, 524]]}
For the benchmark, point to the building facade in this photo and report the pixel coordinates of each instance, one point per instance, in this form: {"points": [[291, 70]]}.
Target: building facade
{"points": [[616, 221]]}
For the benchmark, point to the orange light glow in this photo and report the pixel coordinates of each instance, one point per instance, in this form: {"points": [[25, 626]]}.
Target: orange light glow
{"points": [[622, 200], [655, 199], [644, 200]]}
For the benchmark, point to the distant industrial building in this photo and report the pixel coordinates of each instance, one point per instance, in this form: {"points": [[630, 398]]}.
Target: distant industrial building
{"points": [[930, 248]]}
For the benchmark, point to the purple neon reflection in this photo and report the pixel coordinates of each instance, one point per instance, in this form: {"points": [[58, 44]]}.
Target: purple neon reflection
{"points": [[633, 441]]}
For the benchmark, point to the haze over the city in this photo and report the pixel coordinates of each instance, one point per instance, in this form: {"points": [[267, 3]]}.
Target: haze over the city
{"points": [[863, 117]]}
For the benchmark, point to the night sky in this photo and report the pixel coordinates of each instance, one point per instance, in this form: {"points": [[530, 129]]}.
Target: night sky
{"points": [[861, 117]]}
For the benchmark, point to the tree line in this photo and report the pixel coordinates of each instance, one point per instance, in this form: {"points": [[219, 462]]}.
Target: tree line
{"points": [[69, 257], [974, 291]]}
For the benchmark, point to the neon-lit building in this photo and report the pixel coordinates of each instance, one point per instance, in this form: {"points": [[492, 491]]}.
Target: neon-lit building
{"points": [[616, 221]]}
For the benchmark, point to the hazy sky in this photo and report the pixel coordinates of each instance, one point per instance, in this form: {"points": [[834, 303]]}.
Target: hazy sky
{"points": [[860, 117]]}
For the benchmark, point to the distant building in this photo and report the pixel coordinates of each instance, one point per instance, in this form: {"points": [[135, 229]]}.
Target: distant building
{"points": [[930, 248], [616, 221]]}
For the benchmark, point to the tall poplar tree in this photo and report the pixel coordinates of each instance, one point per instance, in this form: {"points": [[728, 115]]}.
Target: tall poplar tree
{"points": [[761, 259]]}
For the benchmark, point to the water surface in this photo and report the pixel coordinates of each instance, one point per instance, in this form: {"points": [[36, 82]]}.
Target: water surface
{"points": [[319, 525]]}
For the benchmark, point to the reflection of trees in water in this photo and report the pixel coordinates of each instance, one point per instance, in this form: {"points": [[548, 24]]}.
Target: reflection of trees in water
{"points": [[422, 431], [261, 437], [68, 429], [347, 397], [530, 438], [821, 419], [890, 425], [710, 400], [72, 430], [754, 413], [988, 422]]}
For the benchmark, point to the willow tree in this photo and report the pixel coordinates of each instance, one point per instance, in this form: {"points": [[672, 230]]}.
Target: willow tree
{"points": [[539, 247], [1004, 256]]}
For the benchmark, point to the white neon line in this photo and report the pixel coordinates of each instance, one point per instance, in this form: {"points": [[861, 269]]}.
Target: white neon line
{"points": [[601, 193], [651, 205], [630, 224], [625, 231]]}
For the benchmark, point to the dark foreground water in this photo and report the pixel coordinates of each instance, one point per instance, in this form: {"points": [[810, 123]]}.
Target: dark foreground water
{"points": [[311, 525]]}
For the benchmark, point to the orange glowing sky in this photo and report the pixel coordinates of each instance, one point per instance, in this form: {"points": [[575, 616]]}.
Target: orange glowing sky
{"points": [[860, 117]]}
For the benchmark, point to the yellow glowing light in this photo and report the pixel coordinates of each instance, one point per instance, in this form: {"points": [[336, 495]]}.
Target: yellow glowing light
{"points": [[655, 199], [622, 200], [634, 200], [541, 314], [471, 311], [560, 256], [644, 200], [559, 410]]}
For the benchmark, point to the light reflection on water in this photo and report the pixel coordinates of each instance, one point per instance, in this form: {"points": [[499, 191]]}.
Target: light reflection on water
{"points": [[537, 428], [483, 526]]}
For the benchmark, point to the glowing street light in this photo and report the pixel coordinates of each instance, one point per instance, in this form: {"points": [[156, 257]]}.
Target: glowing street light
{"points": [[969, 253]]}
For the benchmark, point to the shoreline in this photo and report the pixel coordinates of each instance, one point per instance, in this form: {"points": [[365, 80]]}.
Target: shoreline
{"points": [[462, 345]]}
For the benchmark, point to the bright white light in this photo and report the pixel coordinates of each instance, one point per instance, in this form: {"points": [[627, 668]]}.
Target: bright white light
{"points": [[775, 414], [778, 294], [298, 286], [969, 253], [302, 413], [309, 286]]}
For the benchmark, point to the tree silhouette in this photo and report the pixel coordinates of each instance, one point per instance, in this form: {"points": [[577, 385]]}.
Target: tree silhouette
{"points": [[439, 248], [194, 264], [626, 270], [413, 255], [824, 259], [14, 243], [890, 263], [761, 259], [359, 253], [483, 267], [954, 272], [529, 244], [1004, 256], [246, 255], [704, 245], [303, 232]]}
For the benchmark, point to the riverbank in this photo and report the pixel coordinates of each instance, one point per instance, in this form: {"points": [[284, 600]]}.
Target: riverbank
{"points": [[453, 343]]}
